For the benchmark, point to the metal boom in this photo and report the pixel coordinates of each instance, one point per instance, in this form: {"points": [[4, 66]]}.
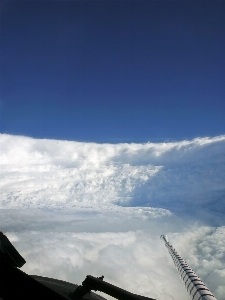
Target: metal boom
{"points": [[196, 289]]}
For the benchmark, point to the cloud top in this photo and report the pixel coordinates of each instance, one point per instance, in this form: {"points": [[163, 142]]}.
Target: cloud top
{"points": [[52, 173]]}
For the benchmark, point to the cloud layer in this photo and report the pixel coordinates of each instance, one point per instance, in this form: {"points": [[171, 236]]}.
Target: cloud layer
{"points": [[69, 245], [170, 175], [99, 209]]}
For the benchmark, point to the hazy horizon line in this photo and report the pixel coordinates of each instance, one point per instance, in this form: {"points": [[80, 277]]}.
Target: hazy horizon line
{"points": [[118, 140]]}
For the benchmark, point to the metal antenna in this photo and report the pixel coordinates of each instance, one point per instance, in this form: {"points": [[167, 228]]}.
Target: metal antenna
{"points": [[196, 289]]}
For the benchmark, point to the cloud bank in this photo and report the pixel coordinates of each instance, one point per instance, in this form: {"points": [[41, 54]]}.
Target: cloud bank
{"points": [[73, 209], [181, 176]]}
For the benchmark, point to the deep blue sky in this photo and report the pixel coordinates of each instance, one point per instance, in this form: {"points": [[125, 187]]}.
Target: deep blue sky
{"points": [[112, 71]]}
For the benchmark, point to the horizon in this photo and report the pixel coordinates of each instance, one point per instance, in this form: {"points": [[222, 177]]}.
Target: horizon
{"points": [[120, 140]]}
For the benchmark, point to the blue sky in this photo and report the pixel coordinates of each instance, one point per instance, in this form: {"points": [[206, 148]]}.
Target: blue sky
{"points": [[112, 71]]}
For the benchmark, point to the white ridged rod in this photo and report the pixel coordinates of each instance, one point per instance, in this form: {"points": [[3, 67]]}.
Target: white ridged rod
{"points": [[196, 289]]}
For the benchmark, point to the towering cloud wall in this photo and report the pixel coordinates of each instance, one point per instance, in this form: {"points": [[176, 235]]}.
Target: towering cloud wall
{"points": [[172, 175]]}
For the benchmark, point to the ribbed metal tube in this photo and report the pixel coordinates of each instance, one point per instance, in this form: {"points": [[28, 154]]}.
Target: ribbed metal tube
{"points": [[193, 284]]}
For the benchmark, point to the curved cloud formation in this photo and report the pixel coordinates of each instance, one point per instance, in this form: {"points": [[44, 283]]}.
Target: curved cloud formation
{"points": [[68, 174], [100, 209]]}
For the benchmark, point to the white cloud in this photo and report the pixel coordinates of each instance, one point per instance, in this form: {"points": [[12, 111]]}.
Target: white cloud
{"points": [[135, 260], [67, 174], [81, 227]]}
